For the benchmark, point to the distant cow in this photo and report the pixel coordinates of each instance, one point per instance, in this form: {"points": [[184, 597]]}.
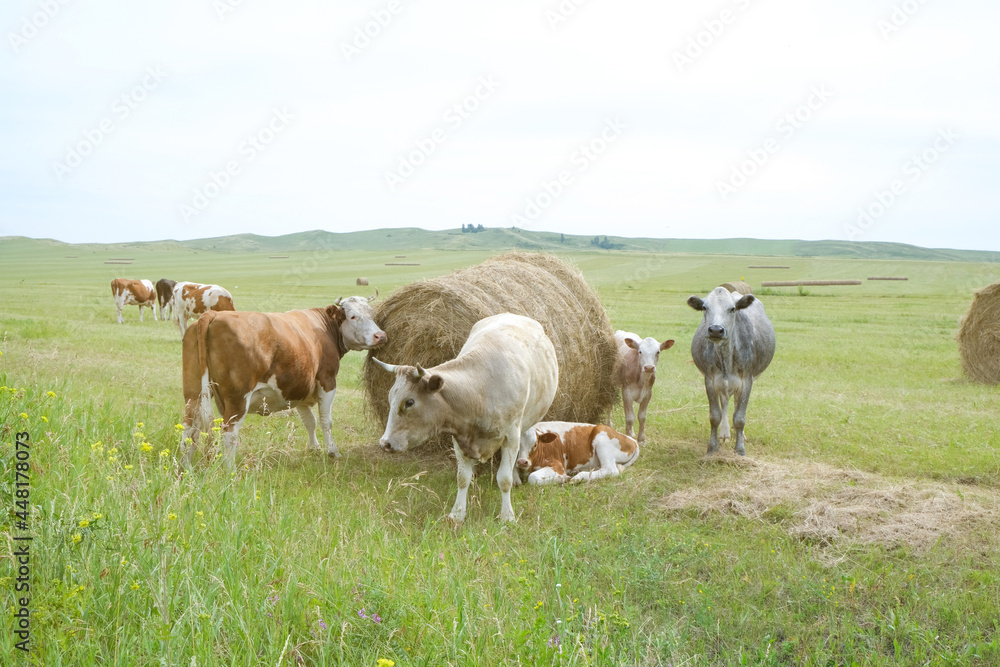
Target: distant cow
{"points": [[565, 451], [502, 381], [133, 293], [267, 362], [192, 299], [164, 296], [733, 345], [636, 375]]}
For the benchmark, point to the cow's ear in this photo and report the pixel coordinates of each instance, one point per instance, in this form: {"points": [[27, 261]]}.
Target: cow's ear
{"points": [[667, 344], [631, 343], [548, 437], [744, 301], [696, 303], [434, 383], [335, 312]]}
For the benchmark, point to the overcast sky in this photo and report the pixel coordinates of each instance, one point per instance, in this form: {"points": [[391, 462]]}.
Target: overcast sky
{"points": [[874, 120]]}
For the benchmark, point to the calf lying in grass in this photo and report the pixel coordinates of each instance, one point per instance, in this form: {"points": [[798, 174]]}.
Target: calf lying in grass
{"points": [[565, 451]]}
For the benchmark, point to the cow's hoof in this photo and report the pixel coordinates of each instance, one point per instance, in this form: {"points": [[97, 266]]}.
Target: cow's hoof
{"points": [[333, 455]]}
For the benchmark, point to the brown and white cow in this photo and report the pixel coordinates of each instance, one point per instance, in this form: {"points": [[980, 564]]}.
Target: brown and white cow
{"points": [[133, 293], [564, 451], [165, 296], [636, 375], [193, 299], [502, 381], [267, 362]]}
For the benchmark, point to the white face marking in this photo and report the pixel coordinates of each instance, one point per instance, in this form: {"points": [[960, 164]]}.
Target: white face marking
{"points": [[649, 354], [359, 329]]}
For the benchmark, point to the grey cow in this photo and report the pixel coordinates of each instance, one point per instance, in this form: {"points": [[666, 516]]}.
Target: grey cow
{"points": [[733, 345]]}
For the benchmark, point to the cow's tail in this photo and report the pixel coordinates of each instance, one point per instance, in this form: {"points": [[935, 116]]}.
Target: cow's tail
{"points": [[197, 384]]}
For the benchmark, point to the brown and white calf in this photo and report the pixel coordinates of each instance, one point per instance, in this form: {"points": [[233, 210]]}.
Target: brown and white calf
{"points": [[502, 381], [570, 451], [636, 375], [164, 296], [133, 293], [193, 299], [267, 362]]}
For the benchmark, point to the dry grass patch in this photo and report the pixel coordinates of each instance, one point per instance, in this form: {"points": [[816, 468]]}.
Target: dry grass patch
{"points": [[823, 505]]}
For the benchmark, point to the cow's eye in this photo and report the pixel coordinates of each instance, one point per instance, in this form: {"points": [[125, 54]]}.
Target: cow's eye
{"points": [[408, 403], [354, 317], [733, 309]]}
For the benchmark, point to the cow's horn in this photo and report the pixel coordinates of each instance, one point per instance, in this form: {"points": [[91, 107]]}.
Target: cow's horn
{"points": [[420, 371], [373, 296], [337, 302], [389, 367]]}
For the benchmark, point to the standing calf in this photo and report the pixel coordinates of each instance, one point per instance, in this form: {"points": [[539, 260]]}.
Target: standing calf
{"points": [[733, 345], [636, 375]]}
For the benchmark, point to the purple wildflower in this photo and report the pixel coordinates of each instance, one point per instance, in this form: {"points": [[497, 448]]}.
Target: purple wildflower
{"points": [[376, 618], [555, 640], [362, 614]]}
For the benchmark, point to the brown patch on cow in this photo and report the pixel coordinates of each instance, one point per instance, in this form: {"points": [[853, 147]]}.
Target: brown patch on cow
{"points": [[197, 294], [139, 292], [828, 506], [574, 448]]}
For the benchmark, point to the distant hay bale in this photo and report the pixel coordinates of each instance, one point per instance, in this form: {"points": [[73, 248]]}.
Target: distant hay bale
{"points": [[979, 336], [361, 281], [738, 286], [428, 321]]}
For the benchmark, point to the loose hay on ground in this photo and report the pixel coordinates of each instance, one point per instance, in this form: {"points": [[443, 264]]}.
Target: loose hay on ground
{"points": [[831, 505], [428, 321], [979, 336]]}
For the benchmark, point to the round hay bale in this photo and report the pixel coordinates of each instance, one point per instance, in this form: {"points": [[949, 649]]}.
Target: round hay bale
{"points": [[979, 336], [738, 286], [361, 281], [428, 321]]}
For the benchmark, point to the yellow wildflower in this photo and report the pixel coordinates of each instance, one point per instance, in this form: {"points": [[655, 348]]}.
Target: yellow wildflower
{"points": [[84, 523], [179, 427], [50, 394], [24, 415], [76, 537], [383, 662], [171, 516], [128, 466], [200, 513], [146, 447], [97, 515], [124, 561], [110, 477], [113, 450], [140, 425], [112, 459], [217, 420], [139, 434], [202, 525], [45, 419], [164, 453], [135, 586]]}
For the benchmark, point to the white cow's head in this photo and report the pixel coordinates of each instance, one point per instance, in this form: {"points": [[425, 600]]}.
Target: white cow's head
{"points": [[355, 316], [416, 407], [720, 308], [649, 351]]}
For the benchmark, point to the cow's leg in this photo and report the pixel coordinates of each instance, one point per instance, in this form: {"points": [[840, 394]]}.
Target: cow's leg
{"points": [[740, 413], [120, 306], [627, 399], [724, 423], [189, 437], [309, 421], [233, 414], [547, 475], [326, 420], [606, 452], [505, 473], [714, 413], [647, 393], [140, 312], [465, 470]]}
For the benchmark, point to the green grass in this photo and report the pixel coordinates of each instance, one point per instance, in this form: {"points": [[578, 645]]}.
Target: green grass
{"points": [[280, 560]]}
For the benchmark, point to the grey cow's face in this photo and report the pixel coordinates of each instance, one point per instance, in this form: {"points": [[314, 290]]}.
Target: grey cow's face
{"points": [[358, 326], [720, 308]]}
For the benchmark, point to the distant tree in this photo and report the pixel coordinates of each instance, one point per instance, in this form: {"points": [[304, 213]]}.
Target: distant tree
{"points": [[480, 228], [464, 230], [562, 238]]}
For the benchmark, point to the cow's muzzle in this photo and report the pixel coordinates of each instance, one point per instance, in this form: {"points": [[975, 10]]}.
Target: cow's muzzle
{"points": [[388, 446], [379, 338], [649, 369], [716, 332]]}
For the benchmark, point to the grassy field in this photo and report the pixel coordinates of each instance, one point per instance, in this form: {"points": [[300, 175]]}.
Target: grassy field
{"points": [[860, 529]]}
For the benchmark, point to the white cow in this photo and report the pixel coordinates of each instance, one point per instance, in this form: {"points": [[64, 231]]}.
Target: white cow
{"points": [[500, 384]]}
